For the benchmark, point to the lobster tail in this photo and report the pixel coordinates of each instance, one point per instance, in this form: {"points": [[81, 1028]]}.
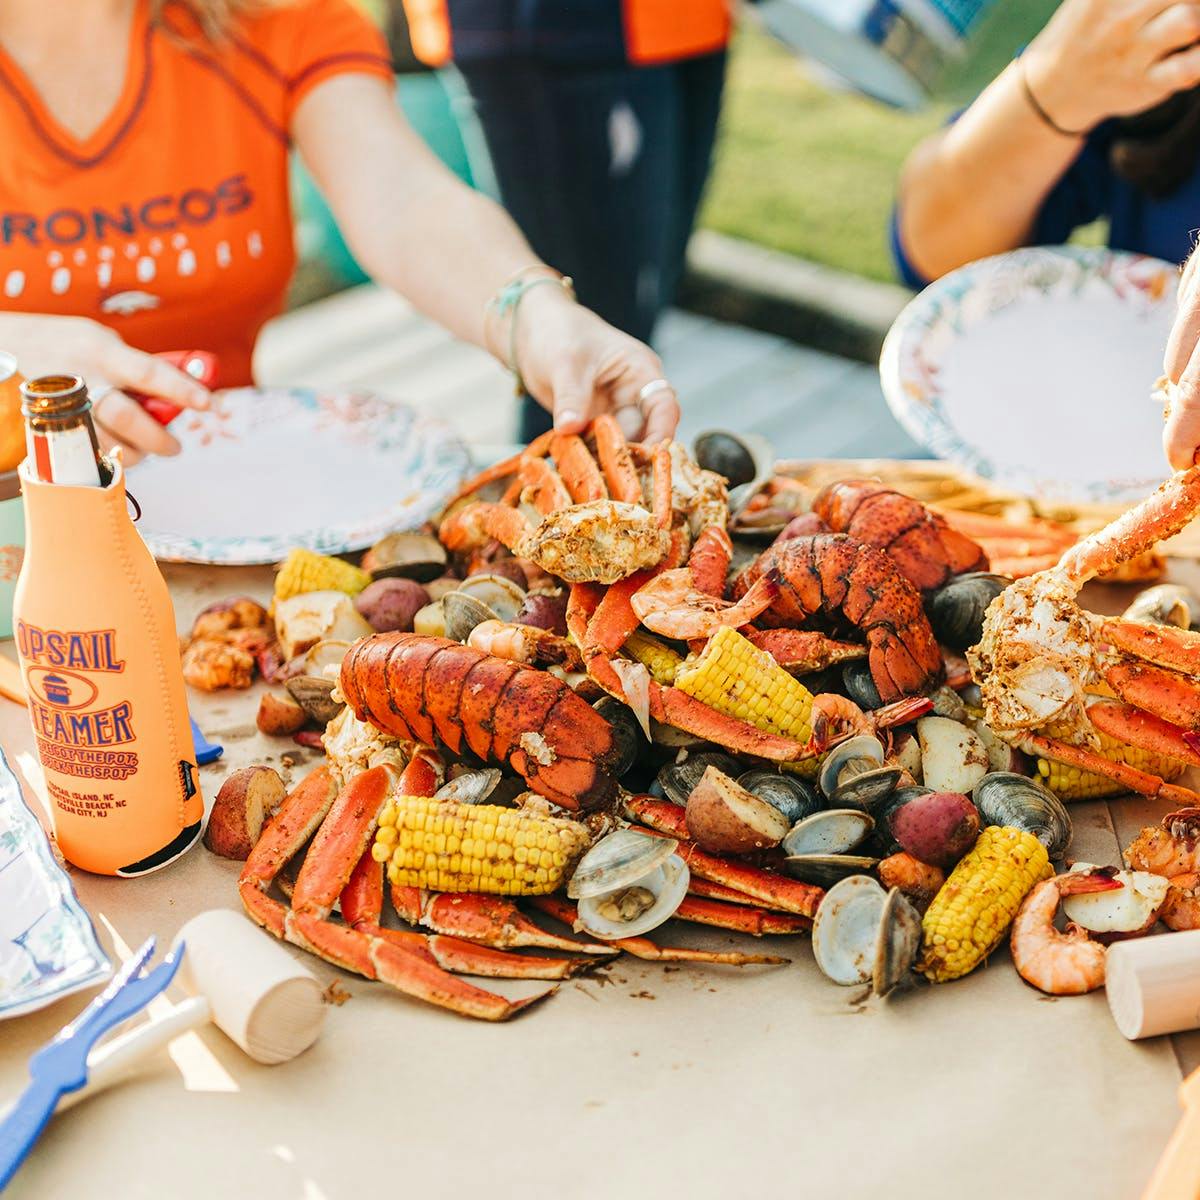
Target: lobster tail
{"points": [[922, 545], [843, 581], [433, 690]]}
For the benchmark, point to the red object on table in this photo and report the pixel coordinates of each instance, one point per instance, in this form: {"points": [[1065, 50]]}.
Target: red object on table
{"points": [[199, 364]]}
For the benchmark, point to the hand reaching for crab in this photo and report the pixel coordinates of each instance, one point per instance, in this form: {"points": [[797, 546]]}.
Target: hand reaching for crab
{"points": [[1181, 365], [578, 366]]}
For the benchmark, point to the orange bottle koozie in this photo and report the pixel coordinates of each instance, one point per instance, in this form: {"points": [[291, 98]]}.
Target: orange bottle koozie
{"points": [[95, 633]]}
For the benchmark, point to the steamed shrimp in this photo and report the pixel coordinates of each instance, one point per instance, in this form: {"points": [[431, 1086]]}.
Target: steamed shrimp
{"points": [[1059, 963], [1171, 848]]}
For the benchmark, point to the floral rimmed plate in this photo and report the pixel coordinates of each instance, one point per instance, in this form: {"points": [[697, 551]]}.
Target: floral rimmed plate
{"points": [[48, 947], [1035, 369], [267, 470]]}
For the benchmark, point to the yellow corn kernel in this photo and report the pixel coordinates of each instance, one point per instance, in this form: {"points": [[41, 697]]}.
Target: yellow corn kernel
{"points": [[306, 571], [975, 906], [452, 847], [1073, 783], [735, 677], [658, 658]]}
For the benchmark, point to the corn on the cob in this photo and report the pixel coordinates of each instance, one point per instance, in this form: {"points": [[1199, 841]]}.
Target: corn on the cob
{"points": [[306, 571], [658, 658], [449, 847], [977, 903], [738, 679], [1074, 783]]}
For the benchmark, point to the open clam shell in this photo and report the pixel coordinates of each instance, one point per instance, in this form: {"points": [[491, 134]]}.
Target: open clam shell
{"points": [[471, 787], [854, 774], [825, 870], [628, 883], [794, 798], [746, 460], [1165, 604], [834, 831], [957, 608], [897, 944], [497, 592], [461, 612], [863, 934], [1005, 798], [314, 694], [409, 555]]}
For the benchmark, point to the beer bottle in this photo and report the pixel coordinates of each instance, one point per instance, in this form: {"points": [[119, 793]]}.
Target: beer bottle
{"points": [[59, 433], [95, 632]]}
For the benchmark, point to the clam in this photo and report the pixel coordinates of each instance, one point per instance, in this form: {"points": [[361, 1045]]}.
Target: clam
{"points": [[678, 779], [628, 883], [819, 847], [1165, 604], [670, 738], [956, 609], [793, 797], [834, 831], [314, 694], [745, 460], [854, 774], [1004, 798], [498, 592], [826, 870], [461, 612], [863, 934], [948, 703], [859, 686], [627, 734], [471, 787], [410, 555]]}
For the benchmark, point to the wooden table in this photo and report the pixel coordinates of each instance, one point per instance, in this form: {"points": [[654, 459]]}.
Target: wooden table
{"points": [[641, 1080]]}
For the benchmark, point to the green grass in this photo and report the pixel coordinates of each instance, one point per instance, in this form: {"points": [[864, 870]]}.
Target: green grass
{"points": [[811, 171]]}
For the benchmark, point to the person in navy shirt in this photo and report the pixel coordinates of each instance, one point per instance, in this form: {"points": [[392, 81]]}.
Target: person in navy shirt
{"points": [[1099, 116]]}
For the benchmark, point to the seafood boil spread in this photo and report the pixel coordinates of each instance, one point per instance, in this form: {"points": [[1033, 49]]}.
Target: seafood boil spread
{"points": [[618, 686]]}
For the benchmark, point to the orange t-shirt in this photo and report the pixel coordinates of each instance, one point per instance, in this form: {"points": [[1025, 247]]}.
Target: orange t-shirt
{"points": [[172, 222]]}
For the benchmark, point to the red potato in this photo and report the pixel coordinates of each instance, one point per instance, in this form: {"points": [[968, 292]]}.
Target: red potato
{"points": [[279, 716], [722, 816], [506, 568], [938, 828], [246, 799], [390, 604], [545, 610]]}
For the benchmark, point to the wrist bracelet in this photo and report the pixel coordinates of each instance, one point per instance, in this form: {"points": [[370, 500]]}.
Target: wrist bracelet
{"points": [[1045, 118], [507, 303]]}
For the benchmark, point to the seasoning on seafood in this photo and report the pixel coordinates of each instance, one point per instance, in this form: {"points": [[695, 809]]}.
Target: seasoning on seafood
{"points": [[1124, 912], [416, 688], [1181, 906], [836, 578], [971, 914], [1066, 963], [863, 934], [1040, 653], [925, 548], [1171, 848], [627, 884]]}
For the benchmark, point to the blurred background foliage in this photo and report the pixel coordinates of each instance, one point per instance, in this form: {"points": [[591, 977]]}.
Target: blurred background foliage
{"points": [[807, 167]]}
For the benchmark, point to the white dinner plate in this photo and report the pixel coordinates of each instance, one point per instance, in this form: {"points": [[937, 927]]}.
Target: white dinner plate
{"points": [[267, 470], [48, 947], [1035, 369]]}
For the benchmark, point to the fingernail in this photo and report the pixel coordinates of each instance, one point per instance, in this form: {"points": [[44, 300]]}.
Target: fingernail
{"points": [[566, 416]]}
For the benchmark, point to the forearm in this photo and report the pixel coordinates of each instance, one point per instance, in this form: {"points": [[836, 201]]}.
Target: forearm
{"points": [[976, 187]]}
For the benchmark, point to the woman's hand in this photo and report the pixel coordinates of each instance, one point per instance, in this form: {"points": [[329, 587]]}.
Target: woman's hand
{"points": [[1109, 58], [78, 346], [579, 366]]}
